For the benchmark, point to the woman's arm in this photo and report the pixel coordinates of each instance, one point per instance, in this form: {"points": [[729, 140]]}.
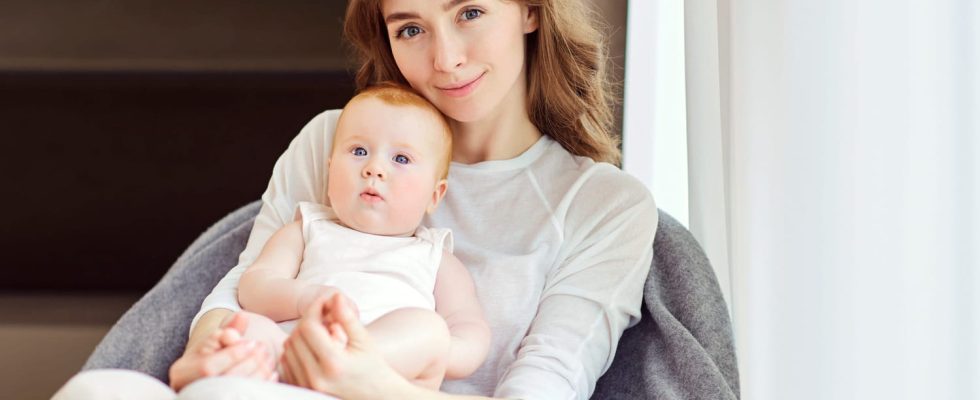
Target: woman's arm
{"points": [[457, 303], [592, 295]]}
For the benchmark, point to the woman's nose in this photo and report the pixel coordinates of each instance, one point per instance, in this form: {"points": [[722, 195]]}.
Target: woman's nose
{"points": [[449, 52]]}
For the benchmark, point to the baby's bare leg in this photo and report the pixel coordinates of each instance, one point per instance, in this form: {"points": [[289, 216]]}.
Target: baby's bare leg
{"points": [[415, 342]]}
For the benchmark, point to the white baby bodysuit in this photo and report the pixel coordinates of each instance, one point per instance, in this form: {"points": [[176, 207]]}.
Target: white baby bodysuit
{"points": [[379, 273]]}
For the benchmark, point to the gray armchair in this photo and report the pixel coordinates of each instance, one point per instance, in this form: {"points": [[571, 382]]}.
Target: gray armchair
{"points": [[682, 349]]}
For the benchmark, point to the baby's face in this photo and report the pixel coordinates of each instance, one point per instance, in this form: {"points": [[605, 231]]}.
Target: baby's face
{"points": [[384, 169]]}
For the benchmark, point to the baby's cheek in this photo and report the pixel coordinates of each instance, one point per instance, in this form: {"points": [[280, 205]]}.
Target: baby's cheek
{"points": [[414, 198]]}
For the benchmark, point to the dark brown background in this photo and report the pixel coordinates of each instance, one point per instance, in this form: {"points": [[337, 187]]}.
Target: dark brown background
{"points": [[129, 126]]}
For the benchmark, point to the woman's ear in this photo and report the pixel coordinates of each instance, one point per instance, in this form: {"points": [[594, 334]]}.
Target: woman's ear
{"points": [[530, 19], [437, 195]]}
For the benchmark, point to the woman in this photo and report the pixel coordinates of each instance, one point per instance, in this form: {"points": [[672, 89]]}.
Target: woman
{"points": [[558, 242]]}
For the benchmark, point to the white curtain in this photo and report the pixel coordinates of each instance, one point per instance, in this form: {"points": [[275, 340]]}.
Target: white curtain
{"points": [[833, 150]]}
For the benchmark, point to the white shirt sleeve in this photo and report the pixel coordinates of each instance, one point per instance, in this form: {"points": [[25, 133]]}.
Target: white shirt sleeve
{"points": [[593, 295], [300, 174]]}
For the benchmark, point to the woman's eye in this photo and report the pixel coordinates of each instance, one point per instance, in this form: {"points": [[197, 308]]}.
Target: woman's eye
{"points": [[401, 159], [471, 14], [359, 151], [408, 31]]}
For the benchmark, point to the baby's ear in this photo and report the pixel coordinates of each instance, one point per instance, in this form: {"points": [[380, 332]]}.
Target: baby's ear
{"points": [[437, 195]]}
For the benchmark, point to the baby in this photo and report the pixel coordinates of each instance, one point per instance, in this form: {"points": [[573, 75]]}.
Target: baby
{"points": [[387, 169]]}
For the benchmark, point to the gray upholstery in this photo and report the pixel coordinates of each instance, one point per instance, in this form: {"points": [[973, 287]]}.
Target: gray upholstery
{"points": [[682, 349]]}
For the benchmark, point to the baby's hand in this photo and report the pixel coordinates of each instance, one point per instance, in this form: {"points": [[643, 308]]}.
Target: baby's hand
{"points": [[316, 292]]}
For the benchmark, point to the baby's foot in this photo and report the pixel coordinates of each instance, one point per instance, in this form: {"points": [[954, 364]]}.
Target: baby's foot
{"points": [[262, 329], [229, 334]]}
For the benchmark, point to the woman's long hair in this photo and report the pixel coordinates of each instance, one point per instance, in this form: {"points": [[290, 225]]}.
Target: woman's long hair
{"points": [[569, 95]]}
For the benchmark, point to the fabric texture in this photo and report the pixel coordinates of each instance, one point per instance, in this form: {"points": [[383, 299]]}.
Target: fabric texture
{"points": [[153, 332], [379, 273], [558, 246], [682, 348]]}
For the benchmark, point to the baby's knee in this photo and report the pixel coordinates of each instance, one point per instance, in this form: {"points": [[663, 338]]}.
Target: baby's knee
{"points": [[432, 323], [113, 384]]}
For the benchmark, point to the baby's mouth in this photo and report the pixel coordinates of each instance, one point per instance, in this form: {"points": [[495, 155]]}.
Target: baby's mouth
{"points": [[371, 196]]}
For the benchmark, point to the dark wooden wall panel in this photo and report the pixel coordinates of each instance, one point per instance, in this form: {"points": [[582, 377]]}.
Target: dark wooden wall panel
{"points": [[107, 177]]}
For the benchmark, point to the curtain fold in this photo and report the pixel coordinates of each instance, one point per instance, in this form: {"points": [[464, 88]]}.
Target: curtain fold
{"points": [[833, 170], [706, 136]]}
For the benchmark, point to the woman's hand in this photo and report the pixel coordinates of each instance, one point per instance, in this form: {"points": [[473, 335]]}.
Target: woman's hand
{"points": [[331, 352], [223, 352]]}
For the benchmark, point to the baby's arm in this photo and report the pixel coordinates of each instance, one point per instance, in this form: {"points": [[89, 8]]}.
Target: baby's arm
{"points": [[457, 303], [269, 286]]}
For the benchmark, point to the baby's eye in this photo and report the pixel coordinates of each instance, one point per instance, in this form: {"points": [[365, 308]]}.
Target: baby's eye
{"points": [[359, 151], [401, 159], [408, 32], [471, 14]]}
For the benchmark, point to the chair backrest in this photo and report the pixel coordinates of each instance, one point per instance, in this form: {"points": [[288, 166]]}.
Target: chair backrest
{"points": [[683, 346]]}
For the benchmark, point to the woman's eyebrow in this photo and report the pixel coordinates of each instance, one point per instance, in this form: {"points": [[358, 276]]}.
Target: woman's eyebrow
{"points": [[401, 16]]}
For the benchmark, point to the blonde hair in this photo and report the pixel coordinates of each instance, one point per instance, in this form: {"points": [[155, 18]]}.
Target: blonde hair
{"points": [[569, 95], [402, 95]]}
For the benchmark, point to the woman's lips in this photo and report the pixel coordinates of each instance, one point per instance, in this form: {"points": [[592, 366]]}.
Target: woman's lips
{"points": [[464, 89]]}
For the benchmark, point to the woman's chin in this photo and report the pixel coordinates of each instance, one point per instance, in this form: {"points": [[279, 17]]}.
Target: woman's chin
{"points": [[464, 113]]}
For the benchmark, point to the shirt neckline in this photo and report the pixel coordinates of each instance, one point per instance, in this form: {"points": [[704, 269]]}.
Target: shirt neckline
{"points": [[529, 156]]}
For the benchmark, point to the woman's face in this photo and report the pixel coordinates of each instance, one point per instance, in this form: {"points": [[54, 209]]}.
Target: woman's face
{"points": [[465, 56]]}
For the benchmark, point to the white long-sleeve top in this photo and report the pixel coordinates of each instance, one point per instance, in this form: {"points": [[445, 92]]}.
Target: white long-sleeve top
{"points": [[559, 248]]}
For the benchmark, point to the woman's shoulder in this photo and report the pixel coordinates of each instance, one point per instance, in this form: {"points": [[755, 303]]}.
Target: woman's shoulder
{"points": [[606, 184], [589, 181]]}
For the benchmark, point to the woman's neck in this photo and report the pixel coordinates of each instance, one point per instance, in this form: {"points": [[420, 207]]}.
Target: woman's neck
{"points": [[504, 134]]}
